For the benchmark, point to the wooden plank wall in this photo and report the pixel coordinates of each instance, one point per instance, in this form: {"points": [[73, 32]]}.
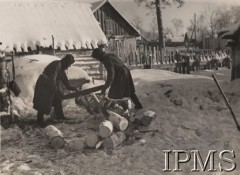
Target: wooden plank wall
{"points": [[112, 23]]}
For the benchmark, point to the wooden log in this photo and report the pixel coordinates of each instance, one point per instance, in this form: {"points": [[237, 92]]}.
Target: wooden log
{"points": [[114, 140], [105, 129], [99, 144], [110, 103], [118, 121], [55, 136], [147, 118], [92, 141], [77, 144]]}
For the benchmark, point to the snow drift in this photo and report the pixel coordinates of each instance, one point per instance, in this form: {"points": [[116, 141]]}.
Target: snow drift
{"points": [[29, 68]]}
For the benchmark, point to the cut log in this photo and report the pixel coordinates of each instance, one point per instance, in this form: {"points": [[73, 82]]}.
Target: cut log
{"points": [[99, 144], [92, 140], [118, 121], [114, 140], [147, 118], [118, 109], [105, 129], [110, 103], [77, 144], [92, 104], [55, 136]]}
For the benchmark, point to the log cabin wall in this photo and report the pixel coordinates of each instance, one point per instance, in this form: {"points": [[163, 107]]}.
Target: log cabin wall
{"points": [[236, 59], [121, 35], [112, 23]]}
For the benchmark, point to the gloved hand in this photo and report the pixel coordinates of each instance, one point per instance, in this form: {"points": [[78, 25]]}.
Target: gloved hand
{"points": [[73, 89], [103, 91], [86, 81]]}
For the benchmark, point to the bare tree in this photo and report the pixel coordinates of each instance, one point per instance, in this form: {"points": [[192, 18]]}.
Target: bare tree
{"points": [[153, 27], [167, 31], [224, 17], [158, 5], [178, 25], [211, 19], [235, 13], [137, 22]]}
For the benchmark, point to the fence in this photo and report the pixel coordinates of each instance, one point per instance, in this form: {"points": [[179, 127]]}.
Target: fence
{"points": [[180, 59]]}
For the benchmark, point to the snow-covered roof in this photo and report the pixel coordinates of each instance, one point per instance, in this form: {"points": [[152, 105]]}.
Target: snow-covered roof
{"points": [[230, 32], [26, 24], [116, 5], [191, 36], [176, 39]]}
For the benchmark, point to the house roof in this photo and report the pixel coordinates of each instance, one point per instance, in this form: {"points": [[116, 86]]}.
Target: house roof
{"points": [[230, 32], [190, 35], [29, 24], [117, 5], [176, 39]]}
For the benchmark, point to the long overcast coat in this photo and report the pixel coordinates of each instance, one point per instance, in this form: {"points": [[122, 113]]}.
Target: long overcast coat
{"points": [[118, 77], [47, 86]]}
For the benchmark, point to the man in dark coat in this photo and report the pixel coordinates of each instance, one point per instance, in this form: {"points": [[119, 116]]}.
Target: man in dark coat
{"points": [[119, 78], [47, 93]]}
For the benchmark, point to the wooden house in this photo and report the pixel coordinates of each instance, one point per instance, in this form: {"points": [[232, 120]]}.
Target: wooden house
{"points": [[121, 34], [233, 35], [174, 41], [190, 39]]}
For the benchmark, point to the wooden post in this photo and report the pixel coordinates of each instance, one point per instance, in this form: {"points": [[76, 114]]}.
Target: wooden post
{"points": [[53, 45], [140, 56], [3, 71]]}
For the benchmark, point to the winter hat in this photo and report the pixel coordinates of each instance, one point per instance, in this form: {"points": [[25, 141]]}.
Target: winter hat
{"points": [[67, 61], [97, 53]]}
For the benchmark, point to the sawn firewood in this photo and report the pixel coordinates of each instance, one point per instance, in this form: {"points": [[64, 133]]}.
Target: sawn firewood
{"points": [[105, 129], [118, 121], [114, 140], [55, 136]]}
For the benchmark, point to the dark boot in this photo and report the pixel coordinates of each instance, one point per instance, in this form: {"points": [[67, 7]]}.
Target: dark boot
{"points": [[136, 102], [57, 104], [39, 120]]}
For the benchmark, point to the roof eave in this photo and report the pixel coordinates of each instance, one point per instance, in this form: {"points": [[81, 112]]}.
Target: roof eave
{"points": [[99, 6]]}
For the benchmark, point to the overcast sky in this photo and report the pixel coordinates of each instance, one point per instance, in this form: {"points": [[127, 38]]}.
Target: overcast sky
{"points": [[130, 10], [185, 13]]}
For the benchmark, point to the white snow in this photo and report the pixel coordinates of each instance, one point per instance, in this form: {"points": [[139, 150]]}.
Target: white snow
{"points": [[29, 68], [190, 115]]}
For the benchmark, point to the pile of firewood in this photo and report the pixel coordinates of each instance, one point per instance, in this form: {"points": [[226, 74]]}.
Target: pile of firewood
{"points": [[119, 123]]}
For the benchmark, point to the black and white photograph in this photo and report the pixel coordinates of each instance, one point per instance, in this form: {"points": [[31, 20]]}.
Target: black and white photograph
{"points": [[119, 87]]}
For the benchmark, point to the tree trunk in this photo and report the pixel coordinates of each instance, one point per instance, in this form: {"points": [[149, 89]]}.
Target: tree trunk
{"points": [[159, 21]]}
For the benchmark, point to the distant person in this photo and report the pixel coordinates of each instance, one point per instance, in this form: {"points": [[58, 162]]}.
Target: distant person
{"points": [[119, 78], [47, 93]]}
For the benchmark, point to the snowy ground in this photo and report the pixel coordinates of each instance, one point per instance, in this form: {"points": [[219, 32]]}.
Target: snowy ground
{"points": [[191, 115]]}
